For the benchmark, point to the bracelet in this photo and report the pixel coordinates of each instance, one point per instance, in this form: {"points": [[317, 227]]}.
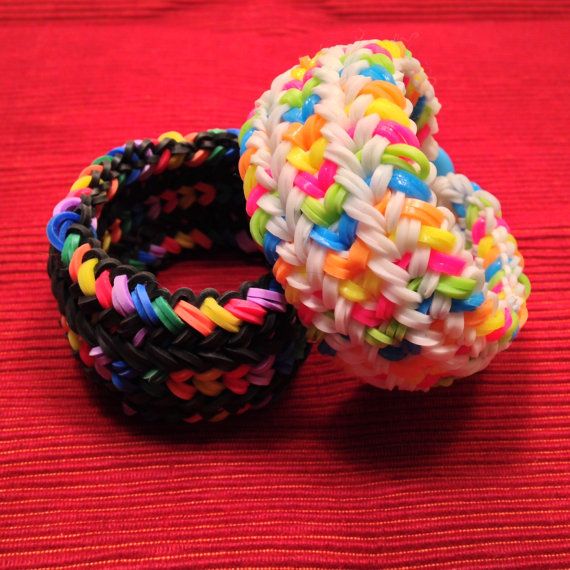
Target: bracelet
{"points": [[170, 356], [412, 279]]}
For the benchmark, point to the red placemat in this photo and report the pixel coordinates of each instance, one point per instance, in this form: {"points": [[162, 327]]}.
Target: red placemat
{"points": [[335, 475]]}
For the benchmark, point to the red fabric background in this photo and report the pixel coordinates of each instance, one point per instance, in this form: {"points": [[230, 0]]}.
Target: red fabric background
{"points": [[335, 475]]}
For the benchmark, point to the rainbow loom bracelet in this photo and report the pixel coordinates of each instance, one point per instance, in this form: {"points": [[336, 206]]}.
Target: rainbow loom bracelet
{"points": [[412, 279], [171, 356]]}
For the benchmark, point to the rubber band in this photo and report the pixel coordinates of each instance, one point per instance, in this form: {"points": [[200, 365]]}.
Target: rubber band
{"points": [[175, 356], [399, 267]]}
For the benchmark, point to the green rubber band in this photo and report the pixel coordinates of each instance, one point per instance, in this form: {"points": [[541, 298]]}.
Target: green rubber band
{"points": [[456, 287], [471, 216], [414, 284], [102, 159], [399, 163], [514, 326], [412, 153], [396, 330], [317, 212], [309, 86], [257, 225], [381, 60], [218, 150], [526, 283], [244, 128], [376, 337], [335, 198], [292, 97], [137, 263], [167, 315], [496, 279], [70, 244], [150, 374]]}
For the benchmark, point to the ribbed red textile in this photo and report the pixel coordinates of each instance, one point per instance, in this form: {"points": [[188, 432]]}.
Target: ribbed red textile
{"points": [[335, 475]]}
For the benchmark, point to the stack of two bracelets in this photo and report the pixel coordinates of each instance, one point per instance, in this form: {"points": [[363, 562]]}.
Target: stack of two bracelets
{"points": [[402, 270]]}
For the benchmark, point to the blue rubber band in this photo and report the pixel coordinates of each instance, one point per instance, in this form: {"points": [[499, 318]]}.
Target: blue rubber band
{"points": [[308, 108], [495, 267], [270, 243], [327, 238], [409, 184], [443, 163], [293, 115], [425, 306], [418, 109], [57, 228], [469, 304], [347, 229], [377, 72], [244, 140], [148, 314]]}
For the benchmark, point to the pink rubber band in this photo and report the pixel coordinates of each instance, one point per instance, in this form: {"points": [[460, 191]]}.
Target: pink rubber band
{"points": [[365, 316], [104, 290], [251, 204], [309, 185], [396, 133], [326, 175], [443, 263], [384, 308], [246, 311]]}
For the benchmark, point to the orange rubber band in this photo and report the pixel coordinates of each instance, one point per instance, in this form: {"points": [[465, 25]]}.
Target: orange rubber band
{"points": [[479, 315], [192, 316], [77, 260], [426, 213], [385, 90]]}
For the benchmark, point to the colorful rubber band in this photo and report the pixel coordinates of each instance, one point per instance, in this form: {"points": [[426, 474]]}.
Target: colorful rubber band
{"points": [[170, 356], [403, 268]]}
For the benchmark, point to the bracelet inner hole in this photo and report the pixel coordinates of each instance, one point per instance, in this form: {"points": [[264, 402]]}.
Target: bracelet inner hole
{"points": [[179, 215]]}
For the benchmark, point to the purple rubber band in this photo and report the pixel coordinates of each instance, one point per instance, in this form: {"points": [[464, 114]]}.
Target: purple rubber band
{"points": [[257, 293], [139, 337], [121, 296], [260, 380], [279, 307], [67, 204], [157, 250], [264, 365], [99, 355]]}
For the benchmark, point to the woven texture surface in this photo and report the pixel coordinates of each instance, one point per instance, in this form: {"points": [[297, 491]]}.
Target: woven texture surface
{"points": [[334, 475]]}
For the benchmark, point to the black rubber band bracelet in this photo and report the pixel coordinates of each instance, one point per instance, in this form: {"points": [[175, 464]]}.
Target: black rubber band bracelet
{"points": [[171, 356]]}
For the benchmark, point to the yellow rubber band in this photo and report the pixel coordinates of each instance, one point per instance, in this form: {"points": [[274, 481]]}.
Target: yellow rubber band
{"points": [[396, 49], [208, 388], [352, 292], [438, 239], [494, 322], [73, 340], [178, 137], [208, 376], [86, 276], [317, 153], [388, 110], [300, 160], [249, 181], [81, 182], [222, 317], [184, 240]]}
